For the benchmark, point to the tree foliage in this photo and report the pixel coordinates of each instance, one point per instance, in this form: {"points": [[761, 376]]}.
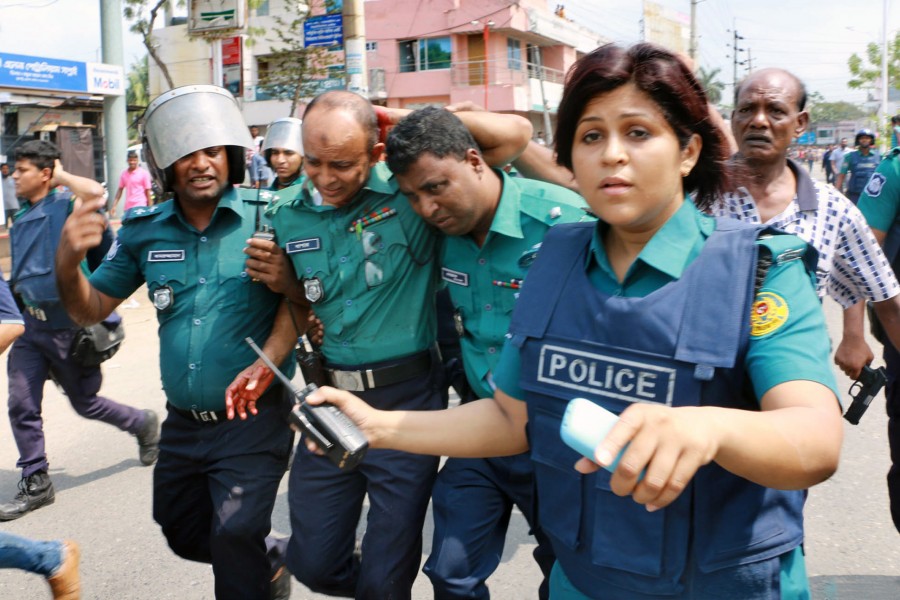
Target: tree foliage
{"points": [[143, 13], [294, 72], [832, 112], [866, 71], [137, 93], [711, 84]]}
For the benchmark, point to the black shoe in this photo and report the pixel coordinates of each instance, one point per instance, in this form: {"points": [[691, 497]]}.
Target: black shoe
{"points": [[280, 586], [35, 491], [148, 439]]}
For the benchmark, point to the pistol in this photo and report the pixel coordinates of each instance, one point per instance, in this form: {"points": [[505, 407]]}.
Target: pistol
{"points": [[863, 390], [338, 437]]}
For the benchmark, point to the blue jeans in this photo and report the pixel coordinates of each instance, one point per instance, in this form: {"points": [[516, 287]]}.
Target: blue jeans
{"points": [[34, 556]]}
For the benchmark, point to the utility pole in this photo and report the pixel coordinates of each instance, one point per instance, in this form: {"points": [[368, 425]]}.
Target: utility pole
{"points": [[115, 131], [354, 13], [882, 111], [548, 128], [735, 51], [692, 51]]}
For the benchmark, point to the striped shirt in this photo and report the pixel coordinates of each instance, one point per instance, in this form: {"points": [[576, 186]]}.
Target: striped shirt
{"points": [[851, 266]]}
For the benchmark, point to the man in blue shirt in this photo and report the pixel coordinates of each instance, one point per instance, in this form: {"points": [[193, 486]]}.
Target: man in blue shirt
{"points": [[45, 350]]}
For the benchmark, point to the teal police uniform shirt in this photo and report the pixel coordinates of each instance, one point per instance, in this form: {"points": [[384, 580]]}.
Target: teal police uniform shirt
{"points": [[206, 304], [880, 200], [484, 282], [797, 349], [371, 265]]}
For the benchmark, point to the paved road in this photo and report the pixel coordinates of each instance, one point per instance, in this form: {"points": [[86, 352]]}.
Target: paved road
{"points": [[103, 501]]}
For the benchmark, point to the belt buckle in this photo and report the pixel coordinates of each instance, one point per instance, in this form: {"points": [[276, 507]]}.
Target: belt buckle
{"points": [[205, 416], [351, 381]]}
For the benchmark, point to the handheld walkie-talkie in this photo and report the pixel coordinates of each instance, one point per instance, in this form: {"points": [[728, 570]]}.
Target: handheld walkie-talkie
{"points": [[338, 437], [264, 231]]}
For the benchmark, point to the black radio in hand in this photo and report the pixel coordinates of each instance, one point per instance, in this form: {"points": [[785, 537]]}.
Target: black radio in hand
{"points": [[264, 232], [338, 437]]}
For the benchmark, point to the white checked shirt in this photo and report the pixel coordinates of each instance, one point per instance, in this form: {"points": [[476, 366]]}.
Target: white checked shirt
{"points": [[851, 265]]}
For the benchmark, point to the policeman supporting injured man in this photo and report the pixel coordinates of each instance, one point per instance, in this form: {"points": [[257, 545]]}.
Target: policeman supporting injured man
{"points": [[215, 483], [367, 264], [494, 224]]}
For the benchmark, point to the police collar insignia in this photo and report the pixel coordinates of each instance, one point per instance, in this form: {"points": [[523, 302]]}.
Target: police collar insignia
{"points": [[163, 298], [313, 289], [528, 257]]}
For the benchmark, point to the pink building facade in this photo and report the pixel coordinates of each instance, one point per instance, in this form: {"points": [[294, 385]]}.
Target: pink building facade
{"points": [[505, 56]]}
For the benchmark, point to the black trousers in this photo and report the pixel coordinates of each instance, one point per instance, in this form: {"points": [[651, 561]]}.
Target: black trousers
{"points": [[214, 488]]}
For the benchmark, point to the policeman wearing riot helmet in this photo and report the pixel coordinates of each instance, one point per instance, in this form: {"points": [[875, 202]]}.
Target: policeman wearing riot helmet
{"points": [[860, 164], [283, 149], [188, 251]]}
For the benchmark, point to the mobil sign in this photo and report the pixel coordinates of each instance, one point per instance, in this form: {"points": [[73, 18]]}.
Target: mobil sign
{"points": [[108, 80]]}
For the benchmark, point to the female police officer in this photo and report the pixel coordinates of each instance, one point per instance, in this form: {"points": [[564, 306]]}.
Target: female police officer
{"points": [[655, 313]]}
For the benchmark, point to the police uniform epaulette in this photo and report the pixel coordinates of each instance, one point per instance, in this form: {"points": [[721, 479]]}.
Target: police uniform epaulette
{"points": [[254, 196], [139, 212], [783, 247], [548, 208]]}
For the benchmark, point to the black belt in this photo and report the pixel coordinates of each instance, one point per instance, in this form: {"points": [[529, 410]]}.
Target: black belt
{"points": [[204, 417], [367, 379]]}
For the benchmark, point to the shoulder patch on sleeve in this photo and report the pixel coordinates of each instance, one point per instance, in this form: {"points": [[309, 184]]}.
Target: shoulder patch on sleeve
{"points": [[768, 314], [113, 249], [140, 212], [783, 247], [254, 196], [553, 205], [875, 185]]}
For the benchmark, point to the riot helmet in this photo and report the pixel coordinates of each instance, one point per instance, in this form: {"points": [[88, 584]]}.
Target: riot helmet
{"points": [[862, 133], [190, 118], [283, 133]]}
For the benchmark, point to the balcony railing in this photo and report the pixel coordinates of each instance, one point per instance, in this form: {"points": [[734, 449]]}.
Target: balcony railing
{"points": [[501, 72]]}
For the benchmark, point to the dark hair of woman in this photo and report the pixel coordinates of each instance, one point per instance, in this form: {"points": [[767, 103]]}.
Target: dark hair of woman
{"points": [[668, 81]]}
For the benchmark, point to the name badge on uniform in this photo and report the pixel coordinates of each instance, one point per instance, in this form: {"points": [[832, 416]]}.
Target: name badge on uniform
{"points": [[457, 277], [165, 256], [313, 289], [163, 298], [303, 246]]}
